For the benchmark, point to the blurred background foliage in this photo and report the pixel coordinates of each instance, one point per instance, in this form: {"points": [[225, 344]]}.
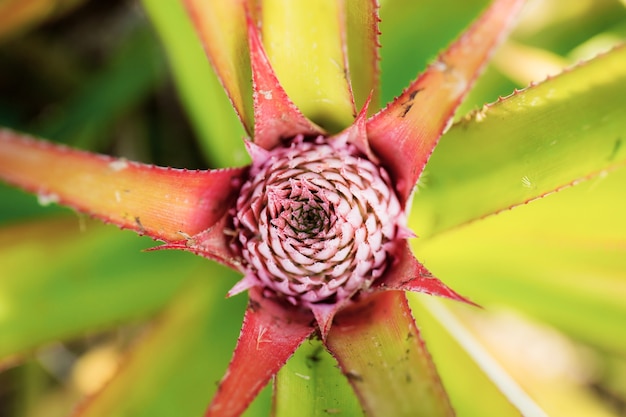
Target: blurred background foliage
{"points": [[80, 302]]}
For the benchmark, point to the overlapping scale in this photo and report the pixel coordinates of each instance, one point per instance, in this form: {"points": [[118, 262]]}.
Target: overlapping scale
{"points": [[316, 222]]}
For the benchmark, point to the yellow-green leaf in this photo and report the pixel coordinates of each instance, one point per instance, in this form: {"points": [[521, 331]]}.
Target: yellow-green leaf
{"points": [[561, 259], [175, 368], [311, 385], [59, 281], [462, 362], [305, 45], [222, 30], [218, 128], [363, 57], [547, 137], [380, 350]]}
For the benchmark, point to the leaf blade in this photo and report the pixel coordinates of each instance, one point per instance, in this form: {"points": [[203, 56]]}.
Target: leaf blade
{"points": [[55, 269], [269, 336], [275, 115], [166, 204], [215, 122], [465, 362], [379, 349], [543, 139], [221, 26], [560, 259], [411, 125], [362, 38], [174, 368], [304, 42], [311, 385]]}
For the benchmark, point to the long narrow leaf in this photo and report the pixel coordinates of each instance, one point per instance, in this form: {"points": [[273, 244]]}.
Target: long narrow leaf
{"points": [[311, 385], [561, 259], [462, 362], [424, 27], [58, 282], [133, 71], [381, 352], [275, 116], [547, 137], [216, 124], [305, 45], [363, 46], [164, 203], [221, 26], [405, 133], [268, 338], [173, 369]]}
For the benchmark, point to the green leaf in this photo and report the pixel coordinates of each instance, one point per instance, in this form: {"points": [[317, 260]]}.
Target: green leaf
{"points": [[462, 362], [561, 26], [547, 137], [381, 352], [541, 372], [208, 107], [304, 42], [405, 132], [561, 259], [58, 281], [18, 205], [175, 368], [413, 33], [363, 52], [221, 27], [311, 385]]}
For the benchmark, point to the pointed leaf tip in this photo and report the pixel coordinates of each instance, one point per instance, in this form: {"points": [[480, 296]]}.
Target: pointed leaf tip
{"points": [[247, 282], [211, 243], [271, 333], [405, 133], [356, 133], [324, 315], [257, 153], [407, 274], [363, 45]]}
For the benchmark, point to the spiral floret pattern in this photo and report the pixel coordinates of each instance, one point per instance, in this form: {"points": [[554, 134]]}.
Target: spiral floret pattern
{"points": [[316, 222]]}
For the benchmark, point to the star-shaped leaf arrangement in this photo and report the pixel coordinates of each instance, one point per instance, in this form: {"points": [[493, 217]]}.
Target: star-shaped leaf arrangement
{"points": [[317, 223]]}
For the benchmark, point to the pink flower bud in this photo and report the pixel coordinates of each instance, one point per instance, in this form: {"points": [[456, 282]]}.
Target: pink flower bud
{"points": [[316, 222]]}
